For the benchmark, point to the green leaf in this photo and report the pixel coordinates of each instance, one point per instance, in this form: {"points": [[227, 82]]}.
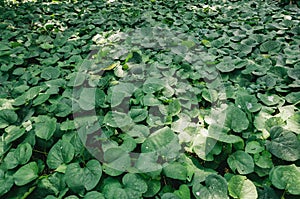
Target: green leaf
{"points": [[287, 178], [50, 60], [140, 132], [270, 46], [152, 85], [215, 187], [44, 127], [33, 92], [293, 97], [93, 195], [110, 186], [248, 103], [10, 161], [236, 119], [294, 73], [169, 196], [87, 99], [225, 67], [242, 188], [60, 153], [174, 107], [23, 153], [121, 91], [7, 117], [284, 144], [150, 100], [269, 99], [62, 110], [117, 158], [134, 182], [67, 125], [219, 133], [241, 161], [50, 73], [117, 119], [13, 133], [6, 182], [153, 187], [293, 123], [41, 98], [164, 142], [87, 177], [138, 115], [52, 184], [147, 162], [26, 174], [253, 147], [176, 170], [267, 193], [183, 192], [263, 160]]}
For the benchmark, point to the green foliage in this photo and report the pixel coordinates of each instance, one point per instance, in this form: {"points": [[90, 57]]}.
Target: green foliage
{"points": [[174, 99]]}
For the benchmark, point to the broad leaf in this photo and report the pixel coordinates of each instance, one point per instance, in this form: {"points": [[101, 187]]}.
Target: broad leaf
{"points": [[236, 119], [287, 178], [176, 170], [242, 188], [26, 174], [284, 144], [86, 177], [215, 188], [6, 181], [44, 126], [134, 182], [7, 117], [61, 153], [241, 161]]}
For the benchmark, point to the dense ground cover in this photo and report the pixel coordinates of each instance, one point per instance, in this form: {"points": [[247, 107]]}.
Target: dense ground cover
{"points": [[150, 99]]}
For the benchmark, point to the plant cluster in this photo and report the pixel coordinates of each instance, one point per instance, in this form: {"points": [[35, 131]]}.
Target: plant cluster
{"points": [[149, 99]]}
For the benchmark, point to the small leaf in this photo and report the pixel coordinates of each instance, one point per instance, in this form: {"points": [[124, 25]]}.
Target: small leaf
{"points": [[93, 195], [284, 144], [138, 115], [23, 153], [117, 159], [121, 91], [248, 103], [270, 47], [153, 85], [287, 178], [87, 99], [263, 160], [6, 182], [87, 177], [61, 153], [216, 187], [183, 192], [134, 182], [174, 107], [13, 133], [269, 99], [242, 188], [241, 161], [26, 174], [176, 170], [117, 119], [7, 117], [253, 147], [163, 142], [236, 119], [44, 127], [50, 73]]}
